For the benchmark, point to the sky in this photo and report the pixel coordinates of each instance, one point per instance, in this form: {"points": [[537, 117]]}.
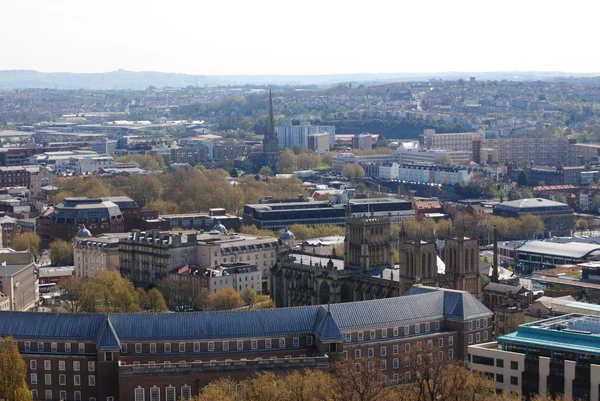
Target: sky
{"points": [[264, 37]]}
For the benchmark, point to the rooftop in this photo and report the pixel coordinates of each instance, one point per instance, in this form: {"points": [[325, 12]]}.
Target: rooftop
{"points": [[532, 204], [575, 250]]}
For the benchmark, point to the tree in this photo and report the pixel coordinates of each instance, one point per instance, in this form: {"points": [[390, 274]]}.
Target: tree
{"points": [[531, 225], [109, 292], [13, 372], [201, 302], [360, 380], [225, 298], [152, 301], [219, 390], [446, 160], [353, 170], [595, 207], [522, 180], [265, 171], [61, 253], [73, 292], [249, 296], [28, 241], [581, 224]]}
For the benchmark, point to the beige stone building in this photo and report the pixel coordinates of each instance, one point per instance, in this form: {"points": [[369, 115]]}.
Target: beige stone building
{"points": [[91, 254]]}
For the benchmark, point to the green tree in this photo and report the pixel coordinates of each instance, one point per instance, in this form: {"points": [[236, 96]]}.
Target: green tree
{"points": [[13, 372], [249, 296], [225, 298], [152, 300], [265, 171], [61, 253], [353, 170], [29, 241], [581, 224], [109, 292], [73, 292], [522, 180], [532, 226], [202, 302]]}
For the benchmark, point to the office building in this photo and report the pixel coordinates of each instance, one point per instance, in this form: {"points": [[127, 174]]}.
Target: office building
{"points": [[560, 355], [16, 176], [461, 141], [432, 156], [318, 143], [362, 141], [91, 254], [84, 164], [128, 357], [19, 281], [289, 135], [558, 217], [338, 161], [105, 146]]}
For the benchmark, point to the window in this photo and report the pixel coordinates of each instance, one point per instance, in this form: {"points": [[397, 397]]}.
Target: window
{"points": [[296, 341], [485, 322], [430, 344], [170, 393], [54, 347], [470, 338], [361, 336], [485, 335], [372, 335], [108, 356], [451, 341], [138, 348], [110, 398], [478, 337], [395, 332], [478, 323], [441, 355], [417, 328], [154, 394], [268, 343], [395, 349], [396, 363], [33, 364], [47, 365], [92, 399], [34, 395], [371, 352], [76, 366], [76, 380], [153, 348], [514, 380], [383, 333], [450, 354], [62, 380], [48, 394], [225, 346], [181, 347], [514, 365], [499, 363], [124, 348], [470, 325], [357, 367], [406, 361], [186, 393], [356, 354], [395, 377], [347, 337], [282, 343], [407, 347], [27, 346], [40, 347], [437, 325], [345, 354], [91, 380], [440, 343], [427, 327], [211, 346], [77, 395], [499, 378], [196, 347], [33, 378], [419, 345], [240, 345], [48, 379], [383, 351], [62, 394], [309, 340], [139, 394], [383, 364], [81, 347], [167, 347]]}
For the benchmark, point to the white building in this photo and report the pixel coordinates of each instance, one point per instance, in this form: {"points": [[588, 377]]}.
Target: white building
{"points": [[84, 164], [240, 276], [431, 156], [423, 174], [290, 135], [389, 171], [318, 143], [460, 141]]}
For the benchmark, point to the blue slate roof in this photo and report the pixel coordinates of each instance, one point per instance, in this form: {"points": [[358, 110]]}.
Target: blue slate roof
{"points": [[67, 326], [418, 305]]}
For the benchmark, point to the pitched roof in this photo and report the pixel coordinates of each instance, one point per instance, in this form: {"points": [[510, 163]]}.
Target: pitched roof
{"points": [[81, 326], [575, 250]]}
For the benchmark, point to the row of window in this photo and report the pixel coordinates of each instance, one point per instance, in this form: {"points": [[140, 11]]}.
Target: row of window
{"points": [[395, 332], [479, 323], [170, 393], [210, 346], [396, 361], [478, 337], [41, 347], [63, 396], [62, 380], [395, 348], [184, 364], [61, 365]]}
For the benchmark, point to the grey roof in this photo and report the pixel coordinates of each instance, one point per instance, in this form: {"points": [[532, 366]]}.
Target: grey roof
{"points": [[419, 305], [286, 235], [575, 250], [504, 288], [83, 232], [532, 204]]}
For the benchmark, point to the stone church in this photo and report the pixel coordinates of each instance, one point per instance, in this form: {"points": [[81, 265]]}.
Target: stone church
{"points": [[367, 270]]}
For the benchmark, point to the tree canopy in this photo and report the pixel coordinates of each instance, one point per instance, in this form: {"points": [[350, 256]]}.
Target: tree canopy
{"points": [[13, 372]]}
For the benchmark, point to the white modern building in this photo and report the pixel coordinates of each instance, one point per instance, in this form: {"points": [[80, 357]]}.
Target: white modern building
{"points": [[240, 276], [290, 135], [432, 156], [389, 171], [423, 174], [84, 164]]}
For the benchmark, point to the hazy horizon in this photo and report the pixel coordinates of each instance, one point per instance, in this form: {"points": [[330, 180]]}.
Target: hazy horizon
{"points": [[267, 37]]}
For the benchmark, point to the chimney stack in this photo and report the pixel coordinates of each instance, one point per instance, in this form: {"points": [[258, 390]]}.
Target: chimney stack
{"points": [[495, 260]]}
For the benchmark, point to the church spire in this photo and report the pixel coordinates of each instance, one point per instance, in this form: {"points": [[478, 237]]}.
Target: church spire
{"points": [[271, 132]]}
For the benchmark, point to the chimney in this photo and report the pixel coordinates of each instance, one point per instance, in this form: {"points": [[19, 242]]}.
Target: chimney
{"points": [[495, 260]]}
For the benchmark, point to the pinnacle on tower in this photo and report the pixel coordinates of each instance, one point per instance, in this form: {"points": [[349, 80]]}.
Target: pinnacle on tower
{"points": [[271, 132]]}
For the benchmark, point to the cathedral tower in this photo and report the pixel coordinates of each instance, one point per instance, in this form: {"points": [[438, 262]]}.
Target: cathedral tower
{"points": [[461, 256], [270, 141]]}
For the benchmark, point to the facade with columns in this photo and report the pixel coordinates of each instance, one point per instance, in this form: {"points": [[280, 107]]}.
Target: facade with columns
{"points": [[367, 270]]}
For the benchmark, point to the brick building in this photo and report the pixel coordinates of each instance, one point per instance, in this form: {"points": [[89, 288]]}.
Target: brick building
{"points": [[15, 176], [121, 357]]}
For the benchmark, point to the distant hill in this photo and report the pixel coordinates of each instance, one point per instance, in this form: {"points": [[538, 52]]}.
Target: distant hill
{"points": [[122, 79]]}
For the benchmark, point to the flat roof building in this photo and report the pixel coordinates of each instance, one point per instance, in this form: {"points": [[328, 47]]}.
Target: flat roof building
{"points": [[558, 217]]}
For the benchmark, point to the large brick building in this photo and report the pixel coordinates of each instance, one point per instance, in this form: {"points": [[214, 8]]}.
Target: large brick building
{"points": [[121, 357]]}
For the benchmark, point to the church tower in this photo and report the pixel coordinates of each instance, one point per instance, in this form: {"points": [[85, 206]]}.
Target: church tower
{"points": [[368, 244], [461, 255], [418, 262], [270, 141]]}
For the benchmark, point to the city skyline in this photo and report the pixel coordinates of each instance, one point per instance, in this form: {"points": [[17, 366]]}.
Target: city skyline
{"points": [[263, 38]]}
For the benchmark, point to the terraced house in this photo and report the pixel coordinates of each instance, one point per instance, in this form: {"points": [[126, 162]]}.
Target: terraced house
{"points": [[144, 357]]}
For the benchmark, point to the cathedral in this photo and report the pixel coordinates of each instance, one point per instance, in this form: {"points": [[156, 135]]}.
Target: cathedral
{"points": [[367, 270], [270, 146]]}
